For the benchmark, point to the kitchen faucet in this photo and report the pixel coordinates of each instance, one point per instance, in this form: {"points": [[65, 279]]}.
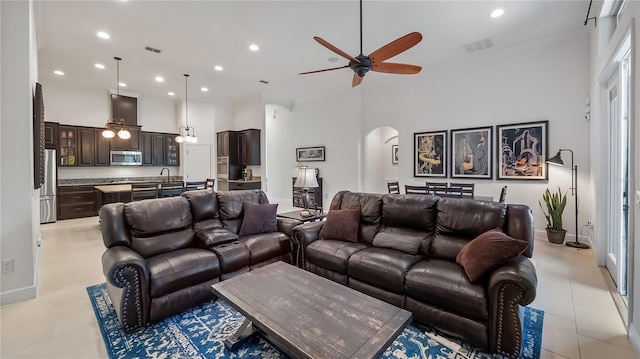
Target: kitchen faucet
{"points": [[168, 173]]}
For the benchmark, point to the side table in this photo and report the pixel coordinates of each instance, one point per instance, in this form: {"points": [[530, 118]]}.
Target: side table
{"points": [[296, 215]]}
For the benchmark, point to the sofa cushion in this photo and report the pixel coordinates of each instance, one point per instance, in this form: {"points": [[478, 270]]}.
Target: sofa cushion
{"points": [[332, 254], [488, 251], [370, 206], [408, 211], [444, 284], [231, 202], [204, 204], [265, 246], [183, 268], [381, 267], [469, 218], [213, 237], [401, 242], [341, 224], [258, 218]]}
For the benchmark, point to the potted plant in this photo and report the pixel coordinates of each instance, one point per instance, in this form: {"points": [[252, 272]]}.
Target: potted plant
{"points": [[555, 204]]}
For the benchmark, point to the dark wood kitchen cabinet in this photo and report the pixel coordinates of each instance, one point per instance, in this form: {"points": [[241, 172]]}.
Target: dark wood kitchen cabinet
{"points": [[86, 146], [227, 145], [67, 141], [158, 143], [147, 148], [172, 150], [249, 147], [76, 202], [160, 149], [102, 148], [132, 144], [51, 135]]}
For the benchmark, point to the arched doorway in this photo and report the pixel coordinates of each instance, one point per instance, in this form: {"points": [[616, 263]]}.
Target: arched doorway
{"points": [[380, 161]]}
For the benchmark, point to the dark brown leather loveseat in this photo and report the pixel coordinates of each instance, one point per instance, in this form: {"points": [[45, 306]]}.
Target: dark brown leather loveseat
{"points": [[485, 313], [164, 254]]}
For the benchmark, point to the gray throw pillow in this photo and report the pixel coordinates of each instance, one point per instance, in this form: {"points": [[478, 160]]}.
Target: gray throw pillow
{"points": [[399, 242], [259, 218]]}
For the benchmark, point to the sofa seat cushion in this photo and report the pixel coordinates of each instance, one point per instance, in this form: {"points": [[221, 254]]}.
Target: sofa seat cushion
{"points": [[214, 237], [382, 267], [332, 254], [169, 272], [265, 246], [444, 284]]}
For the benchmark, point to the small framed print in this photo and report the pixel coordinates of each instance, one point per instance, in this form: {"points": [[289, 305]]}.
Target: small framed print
{"points": [[394, 154], [472, 153], [307, 154], [522, 151], [430, 154]]}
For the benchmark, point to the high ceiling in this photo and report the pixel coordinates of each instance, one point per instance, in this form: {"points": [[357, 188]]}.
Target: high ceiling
{"points": [[194, 36]]}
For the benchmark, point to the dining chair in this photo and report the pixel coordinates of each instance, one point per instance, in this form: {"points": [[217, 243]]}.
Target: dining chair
{"points": [[450, 192], [171, 189], [467, 189], [140, 191], [394, 187], [439, 186], [194, 185], [209, 183], [503, 194], [415, 189]]}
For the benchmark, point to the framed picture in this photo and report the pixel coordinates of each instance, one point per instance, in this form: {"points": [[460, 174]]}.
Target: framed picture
{"points": [[307, 154], [522, 151], [472, 153], [394, 154], [430, 154]]}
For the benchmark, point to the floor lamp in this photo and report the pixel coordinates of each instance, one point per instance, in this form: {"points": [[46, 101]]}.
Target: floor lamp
{"points": [[557, 160]]}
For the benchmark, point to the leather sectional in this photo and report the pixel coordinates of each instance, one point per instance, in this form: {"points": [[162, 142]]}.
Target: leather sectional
{"points": [[485, 313], [164, 254]]}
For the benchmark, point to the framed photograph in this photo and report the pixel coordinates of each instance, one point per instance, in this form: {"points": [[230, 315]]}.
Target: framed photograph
{"points": [[394, 154], [430, 154], [522, 151], [307, 154], [472, 153]]}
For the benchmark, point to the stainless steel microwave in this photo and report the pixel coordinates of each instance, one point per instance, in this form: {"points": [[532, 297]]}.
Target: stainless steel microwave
{"points": [[126, 158]]}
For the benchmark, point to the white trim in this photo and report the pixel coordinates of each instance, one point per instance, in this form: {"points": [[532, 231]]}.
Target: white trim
{"points": [[18, 295], [634, 338]]}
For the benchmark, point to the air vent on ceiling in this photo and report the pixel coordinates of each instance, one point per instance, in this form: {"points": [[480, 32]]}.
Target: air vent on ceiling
{"points": [[264, 82], [478, 45], [149, 48]]}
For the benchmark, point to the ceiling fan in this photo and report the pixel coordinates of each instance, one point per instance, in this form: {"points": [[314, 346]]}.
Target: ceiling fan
{"points": [[362, 64]]}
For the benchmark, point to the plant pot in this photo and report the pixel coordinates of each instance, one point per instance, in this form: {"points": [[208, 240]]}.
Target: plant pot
{"points": [[556, 237]]}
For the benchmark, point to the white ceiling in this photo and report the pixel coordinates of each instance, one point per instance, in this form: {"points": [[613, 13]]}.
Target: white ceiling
{"points": [[194, 36]]}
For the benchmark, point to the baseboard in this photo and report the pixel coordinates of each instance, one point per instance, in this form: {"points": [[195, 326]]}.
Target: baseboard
{"points": [[542, 235], [18, 295], [634, 338]]}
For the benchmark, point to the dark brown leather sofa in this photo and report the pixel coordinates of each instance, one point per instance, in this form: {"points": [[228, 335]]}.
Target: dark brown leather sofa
{"points": [[430, 284], [164, 254]]}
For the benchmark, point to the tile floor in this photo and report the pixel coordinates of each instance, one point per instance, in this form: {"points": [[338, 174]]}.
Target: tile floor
{"points": [[581, 320]]}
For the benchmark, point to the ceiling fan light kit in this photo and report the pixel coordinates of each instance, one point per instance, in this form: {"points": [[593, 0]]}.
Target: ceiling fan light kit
{"points": [[362, 64]]}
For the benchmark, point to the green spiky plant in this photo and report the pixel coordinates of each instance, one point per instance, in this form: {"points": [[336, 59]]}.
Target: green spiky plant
{"points": [[555, 204]]}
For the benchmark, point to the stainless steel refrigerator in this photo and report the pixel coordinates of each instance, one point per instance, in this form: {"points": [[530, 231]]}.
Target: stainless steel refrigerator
{"points": [[48, 207]]}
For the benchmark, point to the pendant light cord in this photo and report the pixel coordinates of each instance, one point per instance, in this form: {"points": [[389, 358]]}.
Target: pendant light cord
{"points": [[360, 27], [186, 101]]}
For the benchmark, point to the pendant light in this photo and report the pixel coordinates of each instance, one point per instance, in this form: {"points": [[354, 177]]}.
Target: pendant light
{"points": [[188, 136], [115, 121]]}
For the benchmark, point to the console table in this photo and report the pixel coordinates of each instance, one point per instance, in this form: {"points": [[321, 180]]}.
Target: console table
{"points": [[314, 193]]}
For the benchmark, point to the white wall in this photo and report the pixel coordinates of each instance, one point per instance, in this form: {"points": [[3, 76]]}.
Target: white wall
{"points": [[280, 156], [19, 207]]}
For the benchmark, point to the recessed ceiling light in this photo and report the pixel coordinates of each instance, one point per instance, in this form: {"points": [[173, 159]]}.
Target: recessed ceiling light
{"points": [[218, 68], [497, 13], [159, 79], [103, 35], [122, 84], [204, 89], [254, 47], [99, 66], [58, 72], [170, 93]]}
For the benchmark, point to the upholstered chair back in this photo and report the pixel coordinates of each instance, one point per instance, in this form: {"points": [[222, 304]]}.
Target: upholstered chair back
{"points": [[230, 206], [204, 209]]}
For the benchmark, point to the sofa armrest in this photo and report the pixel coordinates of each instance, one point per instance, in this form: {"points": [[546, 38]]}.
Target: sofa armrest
{"points": [[303, 235], [285, 225], [127, 279], [511, 286]]}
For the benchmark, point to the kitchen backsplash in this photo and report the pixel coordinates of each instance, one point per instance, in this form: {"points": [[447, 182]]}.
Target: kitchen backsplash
{"points": [[89, 181], [114, 172]]}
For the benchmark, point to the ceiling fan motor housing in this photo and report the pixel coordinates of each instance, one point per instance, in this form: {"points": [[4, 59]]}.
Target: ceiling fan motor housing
{"points": [[361, 66]]}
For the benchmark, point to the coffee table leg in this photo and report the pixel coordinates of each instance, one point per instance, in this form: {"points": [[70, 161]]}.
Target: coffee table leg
{"points": [[244, 332]]}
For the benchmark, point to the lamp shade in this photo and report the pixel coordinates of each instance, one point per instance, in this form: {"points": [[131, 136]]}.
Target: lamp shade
{"points": [[108, 133], [556, 160], [124, 134], [306, 178]]}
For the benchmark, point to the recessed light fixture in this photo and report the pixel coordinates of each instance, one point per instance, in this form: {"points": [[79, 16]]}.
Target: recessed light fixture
{"points": [[159, 79], [204, 89], [254, 47], [171, 93], [122, 84], [217, 68], [58, 72], [99, 66], [103, 35], [497, 13]]}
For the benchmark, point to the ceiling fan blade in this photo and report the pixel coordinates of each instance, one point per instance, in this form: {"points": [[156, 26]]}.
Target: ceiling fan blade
{"points": [[334, 49], [331, 69], [395, 47], [395, 68], [356, 80]]}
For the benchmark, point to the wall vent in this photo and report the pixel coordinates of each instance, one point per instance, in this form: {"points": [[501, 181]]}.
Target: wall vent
{"points": [[478, 45], [149, 48], [264, 82]]}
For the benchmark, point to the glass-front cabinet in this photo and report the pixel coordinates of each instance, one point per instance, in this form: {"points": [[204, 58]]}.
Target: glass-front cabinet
{"points": [[67, 145]]}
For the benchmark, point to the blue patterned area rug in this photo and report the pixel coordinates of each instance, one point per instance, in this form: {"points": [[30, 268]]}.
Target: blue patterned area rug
{"points": [[199, 333]]}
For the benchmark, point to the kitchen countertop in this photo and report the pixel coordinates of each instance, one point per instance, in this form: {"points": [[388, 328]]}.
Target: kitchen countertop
{"points": [[113, 188], [253, 180]]}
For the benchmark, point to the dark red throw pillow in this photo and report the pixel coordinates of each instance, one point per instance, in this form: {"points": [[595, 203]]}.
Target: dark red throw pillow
{"points": [[487, 252], [341, 224], [258, 218]]}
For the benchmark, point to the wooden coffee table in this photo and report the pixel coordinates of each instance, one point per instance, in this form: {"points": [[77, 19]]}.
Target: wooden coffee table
{"points": [[308, 316]]}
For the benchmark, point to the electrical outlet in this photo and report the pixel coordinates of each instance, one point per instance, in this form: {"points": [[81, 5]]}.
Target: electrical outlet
{"points": [[589, 224], [7, 266]]}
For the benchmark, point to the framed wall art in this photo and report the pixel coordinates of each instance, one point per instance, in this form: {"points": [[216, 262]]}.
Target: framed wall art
{"points": [[522, 151], [472, 153], [394, 154], [430, 154], [307, 154]]}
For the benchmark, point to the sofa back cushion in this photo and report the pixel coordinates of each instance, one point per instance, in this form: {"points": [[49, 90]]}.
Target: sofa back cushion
{"points": [[159, 225], [370, 206], [230, 204], [204, 209]]}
